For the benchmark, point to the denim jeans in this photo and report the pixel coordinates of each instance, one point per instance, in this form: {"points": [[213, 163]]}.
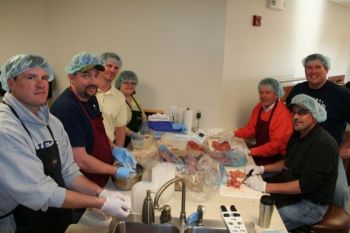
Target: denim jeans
{"points": [[302, 213], [341, 187]]}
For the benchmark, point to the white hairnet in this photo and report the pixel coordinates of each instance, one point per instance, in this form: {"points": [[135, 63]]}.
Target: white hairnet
{"points": [[21, 63], [274, 84], [316, 56], [106, 55], [317, 110], [126, 75], [83, 62]]}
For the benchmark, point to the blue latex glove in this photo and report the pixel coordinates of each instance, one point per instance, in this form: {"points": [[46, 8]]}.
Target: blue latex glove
{"points": [[177, 126], [124, 172], [193, 218], [136, 136], [124, 157], [144, 128]]}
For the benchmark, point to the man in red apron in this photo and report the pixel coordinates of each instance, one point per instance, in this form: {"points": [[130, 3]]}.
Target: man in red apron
{"points": [[78, 109], [40, 181], [269, 123]]}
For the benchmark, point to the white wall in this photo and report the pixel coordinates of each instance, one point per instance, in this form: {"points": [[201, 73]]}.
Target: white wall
{"points": [[277, 47], [196, 53]]}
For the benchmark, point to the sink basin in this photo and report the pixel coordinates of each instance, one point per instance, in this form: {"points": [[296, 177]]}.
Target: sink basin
{"points": [[205, 230], [133, 224], [136, 227]]}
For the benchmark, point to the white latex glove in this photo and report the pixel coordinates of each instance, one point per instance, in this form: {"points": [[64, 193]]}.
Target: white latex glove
{"points": [[226, 136], [256, 183], [257, 170], [117, 207], [110, 193]]}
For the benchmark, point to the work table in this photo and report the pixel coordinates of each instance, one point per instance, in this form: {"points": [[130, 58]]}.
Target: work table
{"points": [[249, 209]]}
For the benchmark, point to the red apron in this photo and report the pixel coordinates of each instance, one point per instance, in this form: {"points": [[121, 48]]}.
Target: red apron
{"points": [[101, 149], [262, 136]]}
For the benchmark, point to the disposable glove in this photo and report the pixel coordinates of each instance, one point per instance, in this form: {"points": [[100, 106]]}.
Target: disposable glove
{"points": [[226, 136], [110, 193], [179, 127], [256, 183], [136, 136], [124, 157], [144, 128], [124, 172], [117, 207], [243, 151], [257, 170]]}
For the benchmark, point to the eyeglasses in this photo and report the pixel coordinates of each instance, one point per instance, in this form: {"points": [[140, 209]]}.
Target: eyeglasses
{"points": [[301, 112], [129, 83]]}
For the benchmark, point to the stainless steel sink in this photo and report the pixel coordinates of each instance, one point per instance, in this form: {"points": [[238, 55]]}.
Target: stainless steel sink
{"points": [[205, 230], [135, 227], [133, 224]]}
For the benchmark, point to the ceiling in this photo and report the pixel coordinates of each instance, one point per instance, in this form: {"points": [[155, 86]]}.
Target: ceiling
{"points": [[345, 3]]}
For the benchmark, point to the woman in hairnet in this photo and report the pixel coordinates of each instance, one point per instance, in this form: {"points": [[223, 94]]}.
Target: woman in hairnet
{"points": [[137, 120], [269, 123]]}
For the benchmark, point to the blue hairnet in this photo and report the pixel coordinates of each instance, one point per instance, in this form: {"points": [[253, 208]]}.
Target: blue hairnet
{"points": [[105, 56], [21, 63], [84, 62], [126, 75], [317, 110], [316, 56], [274, 84]]}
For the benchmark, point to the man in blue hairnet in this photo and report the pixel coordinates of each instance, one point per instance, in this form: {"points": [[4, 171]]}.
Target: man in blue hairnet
{"points": [[336, 100], [40, 181], [78, 109], [306, 184], [111, 100]]}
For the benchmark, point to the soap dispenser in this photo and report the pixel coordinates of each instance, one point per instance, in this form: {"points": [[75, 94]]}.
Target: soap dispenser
{"points": [[147, 209]]}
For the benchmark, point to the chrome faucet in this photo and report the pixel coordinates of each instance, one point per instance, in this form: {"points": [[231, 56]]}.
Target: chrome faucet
{"points": [[183, 197]]}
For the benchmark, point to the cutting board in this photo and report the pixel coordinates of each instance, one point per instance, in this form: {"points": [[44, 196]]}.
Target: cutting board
{"points": [[242, 192]]}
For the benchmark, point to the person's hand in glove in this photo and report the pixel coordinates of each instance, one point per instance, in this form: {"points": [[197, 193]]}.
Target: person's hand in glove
{"points": [[124, 157], [124, 172], [117, 207], [226, 136], [257, 170], [144, 128], [111, 193], [256, 183]]}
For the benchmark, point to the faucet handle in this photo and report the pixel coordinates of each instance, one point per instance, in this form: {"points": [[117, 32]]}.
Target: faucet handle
{"points": [[200, 212], [165, 214]]}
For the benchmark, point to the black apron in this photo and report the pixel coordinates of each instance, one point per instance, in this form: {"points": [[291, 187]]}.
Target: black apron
{"points": [[135, 122], [54, 220], [262, 136]]}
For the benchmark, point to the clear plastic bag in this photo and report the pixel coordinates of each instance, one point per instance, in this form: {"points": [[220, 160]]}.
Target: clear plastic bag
{"points": [[202, 173]]}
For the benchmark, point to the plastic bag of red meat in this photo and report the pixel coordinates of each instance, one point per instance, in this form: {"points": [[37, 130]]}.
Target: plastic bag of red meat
{"points": [[233, 158], [203, 176]]}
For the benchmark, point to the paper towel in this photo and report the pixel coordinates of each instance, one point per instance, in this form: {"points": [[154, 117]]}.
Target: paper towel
{"points": [[180, 116], [188, 118]]}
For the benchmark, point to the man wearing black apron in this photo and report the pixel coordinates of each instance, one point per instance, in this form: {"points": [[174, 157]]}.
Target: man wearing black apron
{"points": [[36, 158]]}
